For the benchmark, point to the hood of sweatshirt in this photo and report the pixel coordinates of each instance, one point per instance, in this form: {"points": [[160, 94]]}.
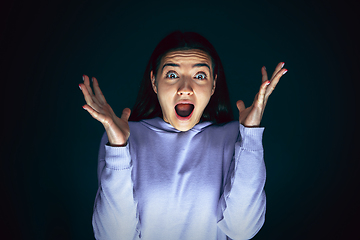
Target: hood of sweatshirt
{"points": [[158, 124]]}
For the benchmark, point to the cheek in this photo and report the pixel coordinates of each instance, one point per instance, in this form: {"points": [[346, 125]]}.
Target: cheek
{"points": [[205, 94], [165, 97]]}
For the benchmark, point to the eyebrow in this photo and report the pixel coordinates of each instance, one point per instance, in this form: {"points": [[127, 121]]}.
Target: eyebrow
{"points": [[177, 65]]}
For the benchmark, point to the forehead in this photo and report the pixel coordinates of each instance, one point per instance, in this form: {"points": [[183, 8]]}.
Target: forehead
{"points": [[186, 56]]}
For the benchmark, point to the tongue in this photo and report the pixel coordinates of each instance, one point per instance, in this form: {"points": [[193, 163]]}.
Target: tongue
{"points": [[184, 110]]}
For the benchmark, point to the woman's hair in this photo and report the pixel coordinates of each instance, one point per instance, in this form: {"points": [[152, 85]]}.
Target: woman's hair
{"points": [[147, 105]]}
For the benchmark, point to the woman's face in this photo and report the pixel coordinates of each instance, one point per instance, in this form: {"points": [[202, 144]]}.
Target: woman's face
{"points": [[184, 84]]}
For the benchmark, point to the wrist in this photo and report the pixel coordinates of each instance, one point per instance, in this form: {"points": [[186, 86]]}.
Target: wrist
{"points": [[251, 126], [116, 145]]}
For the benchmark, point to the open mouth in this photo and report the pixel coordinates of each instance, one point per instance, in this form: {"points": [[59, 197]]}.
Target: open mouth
{"points": [[184, 110]]}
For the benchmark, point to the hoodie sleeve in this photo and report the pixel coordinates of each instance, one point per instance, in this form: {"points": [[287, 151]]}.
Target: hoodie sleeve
{"points": [[115, 211], [241, 209]]}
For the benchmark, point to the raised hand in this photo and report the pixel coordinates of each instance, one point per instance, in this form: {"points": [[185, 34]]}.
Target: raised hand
{"points": [[117, 129], [251, 116]]}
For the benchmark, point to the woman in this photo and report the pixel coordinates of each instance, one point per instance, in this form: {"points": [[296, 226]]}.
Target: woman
{"points": [[181, 168]]}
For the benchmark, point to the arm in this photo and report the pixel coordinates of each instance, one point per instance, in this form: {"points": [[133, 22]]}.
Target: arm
{"points": [[241, 211], [115, 213], [115, 210]]}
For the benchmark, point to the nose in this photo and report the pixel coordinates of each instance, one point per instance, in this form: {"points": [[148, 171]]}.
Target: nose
{"points": [[185, 88]]}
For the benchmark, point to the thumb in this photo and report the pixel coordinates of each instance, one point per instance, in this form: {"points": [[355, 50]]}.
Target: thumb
{"points": [[126, 114], [240, 105]]}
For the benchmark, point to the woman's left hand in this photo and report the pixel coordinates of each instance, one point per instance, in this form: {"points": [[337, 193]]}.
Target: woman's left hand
{"points": [[251, 116]]}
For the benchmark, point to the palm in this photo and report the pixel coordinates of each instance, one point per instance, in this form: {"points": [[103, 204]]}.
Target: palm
{"points": [[243, 116], [117, 129]]}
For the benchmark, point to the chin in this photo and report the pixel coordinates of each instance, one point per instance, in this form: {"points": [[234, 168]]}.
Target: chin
{"points": [[184, 128], [184, 125]]}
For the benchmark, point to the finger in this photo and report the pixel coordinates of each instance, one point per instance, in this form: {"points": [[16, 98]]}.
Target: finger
{"points": [[274, 82], [98, 93], [264, 74], [88, 98], [87, 84], [261, 95], [126, 114], [278, 68], [93, 113], [89, 90], [240, 105]]}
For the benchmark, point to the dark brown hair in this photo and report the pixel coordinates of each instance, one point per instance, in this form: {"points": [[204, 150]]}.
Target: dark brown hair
{"points": [[147, 105]]}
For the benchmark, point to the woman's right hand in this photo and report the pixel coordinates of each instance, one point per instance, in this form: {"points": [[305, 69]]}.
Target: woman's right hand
{"points": [[117, 129]]}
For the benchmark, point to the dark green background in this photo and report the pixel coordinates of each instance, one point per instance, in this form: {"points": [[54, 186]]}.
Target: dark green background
{"points": [[48, 171]]}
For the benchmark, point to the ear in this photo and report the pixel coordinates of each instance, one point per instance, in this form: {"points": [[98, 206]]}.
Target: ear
{"points": [[214, 86], [153, 82]]}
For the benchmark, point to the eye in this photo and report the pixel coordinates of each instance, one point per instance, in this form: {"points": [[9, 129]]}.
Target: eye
{"points": [[171, 75], [200, 76]]}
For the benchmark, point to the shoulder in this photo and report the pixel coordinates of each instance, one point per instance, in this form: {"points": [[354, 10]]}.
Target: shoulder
{"points": [[135, 125], [230, 127], [229, 131]]}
